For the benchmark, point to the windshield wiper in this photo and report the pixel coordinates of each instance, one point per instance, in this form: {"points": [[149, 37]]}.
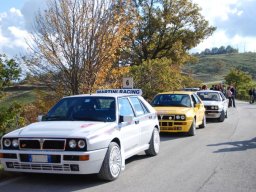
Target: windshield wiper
{"points": [[54, 118]]}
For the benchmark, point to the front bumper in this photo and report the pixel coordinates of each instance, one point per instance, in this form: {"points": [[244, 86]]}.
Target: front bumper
{"points": [[212, 114], [174, 126], [60, 163]]}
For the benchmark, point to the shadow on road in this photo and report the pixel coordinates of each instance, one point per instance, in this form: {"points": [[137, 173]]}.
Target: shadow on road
{"points": [[172, 136], [236, 146]]}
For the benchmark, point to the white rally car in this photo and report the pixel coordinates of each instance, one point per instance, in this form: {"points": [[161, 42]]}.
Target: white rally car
{"points": [[84, 134], [215, 103]]}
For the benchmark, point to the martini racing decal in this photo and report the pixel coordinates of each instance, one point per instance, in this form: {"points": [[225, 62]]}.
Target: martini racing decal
{"points": [[125, 91], [86, 125]]}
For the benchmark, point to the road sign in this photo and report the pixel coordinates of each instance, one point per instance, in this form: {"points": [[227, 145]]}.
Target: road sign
{"points": [[128, 83]]}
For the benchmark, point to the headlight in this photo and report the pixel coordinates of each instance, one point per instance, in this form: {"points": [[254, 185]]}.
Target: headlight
{"points": [[81, 144], [177, 117], [182, 117], [15, 143], [212, 107], [216, 107], [72, 144], [7, 142]]}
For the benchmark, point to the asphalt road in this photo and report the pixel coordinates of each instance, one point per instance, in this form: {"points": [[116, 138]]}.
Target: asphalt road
{"points": [[220, 158]]}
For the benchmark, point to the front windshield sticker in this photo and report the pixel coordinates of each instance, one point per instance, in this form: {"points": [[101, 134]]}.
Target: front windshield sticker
{"points": [[86, 125]]}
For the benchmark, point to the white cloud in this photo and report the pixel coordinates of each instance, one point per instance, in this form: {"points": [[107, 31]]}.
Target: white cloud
{"points": [[217, 9], [233, 19], [220, 38], [16, 12], [19, 37]]}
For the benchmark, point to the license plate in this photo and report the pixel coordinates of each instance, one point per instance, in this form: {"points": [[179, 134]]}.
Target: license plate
{"points": [[39, 158]]}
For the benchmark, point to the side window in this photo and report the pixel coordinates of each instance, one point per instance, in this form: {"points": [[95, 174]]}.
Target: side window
{"points": [[139, 109], [195, 99], [125, 108], [222, 96]]}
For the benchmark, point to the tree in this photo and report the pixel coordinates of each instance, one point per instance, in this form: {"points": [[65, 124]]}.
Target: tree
{"points": [[166, 29], [75, 39], [9, 71], [242, 82], [154, 76]]}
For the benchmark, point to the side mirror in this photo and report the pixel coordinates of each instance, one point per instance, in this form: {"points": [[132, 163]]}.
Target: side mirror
{"points": [[126, 119], [198, 105], [40, 118]]}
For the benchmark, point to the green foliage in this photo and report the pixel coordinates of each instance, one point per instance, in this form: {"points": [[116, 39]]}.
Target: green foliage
{"points": [[154, 76], [9, 71], [220, 50], [166, 29], [10, 118], [206, 66], [242, 82]]}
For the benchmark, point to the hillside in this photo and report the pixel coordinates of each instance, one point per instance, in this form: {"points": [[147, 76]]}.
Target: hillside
{"points": [[215, 67]]}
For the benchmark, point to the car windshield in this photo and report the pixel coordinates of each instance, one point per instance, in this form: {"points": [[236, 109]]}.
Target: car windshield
{"points": [[209, 96], [176, 100], [83, 109]]}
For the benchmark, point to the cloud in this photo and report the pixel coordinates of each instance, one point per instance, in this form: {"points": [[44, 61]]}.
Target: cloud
{"points": [[12, 32], [235, 21], [30, 9]]}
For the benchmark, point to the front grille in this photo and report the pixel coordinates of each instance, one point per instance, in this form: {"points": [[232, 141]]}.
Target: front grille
{"points": [[29, 144], [171, 128], [38, 166], [165, 124], [209, 108], [42, 144], [166, 117]]}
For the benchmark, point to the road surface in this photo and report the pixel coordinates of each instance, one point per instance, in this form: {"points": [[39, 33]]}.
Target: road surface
{"points": [[220, 158]]}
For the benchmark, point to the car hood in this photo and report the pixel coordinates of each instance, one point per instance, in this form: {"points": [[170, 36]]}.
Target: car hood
{"points": [[210, 103], [172, 110], [61, 129]]}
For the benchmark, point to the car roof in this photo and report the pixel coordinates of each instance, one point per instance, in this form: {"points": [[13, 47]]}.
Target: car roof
{"points": [[210, 91], [115, 95], [178, 92]]}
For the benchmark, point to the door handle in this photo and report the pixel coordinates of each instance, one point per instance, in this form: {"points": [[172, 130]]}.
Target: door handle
{"points": [[137, 122], [150, 117]]}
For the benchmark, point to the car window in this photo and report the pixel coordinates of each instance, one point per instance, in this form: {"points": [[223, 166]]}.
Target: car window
{"points": [[125, 108], [222, 96], [209, 96], [83, 109], [176, 100], [139, 110], [198, 100], [195, 100]]}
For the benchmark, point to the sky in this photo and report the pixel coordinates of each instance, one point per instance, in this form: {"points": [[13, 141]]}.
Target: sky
{"points": [[235, 21]]}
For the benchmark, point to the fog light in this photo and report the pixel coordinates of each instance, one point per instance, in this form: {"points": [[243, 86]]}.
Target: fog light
{"points": [[74, 167], [9, 165]]}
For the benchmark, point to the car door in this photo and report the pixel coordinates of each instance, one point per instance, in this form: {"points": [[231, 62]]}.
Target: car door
{"points": [[200, 110], [224, 101], [129, 131], [144, 119]]}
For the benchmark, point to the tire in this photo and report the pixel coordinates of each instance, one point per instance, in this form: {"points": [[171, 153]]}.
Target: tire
{"points": [[111, 166], [154, 144], [203, 123], [192, 130], [222, 116]]}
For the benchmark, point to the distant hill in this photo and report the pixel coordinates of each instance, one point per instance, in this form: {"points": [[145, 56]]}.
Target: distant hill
{"points": [[215, 67]]}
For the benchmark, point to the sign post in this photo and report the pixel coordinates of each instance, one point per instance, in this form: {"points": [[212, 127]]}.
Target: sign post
{"points": [[128, 83]]}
